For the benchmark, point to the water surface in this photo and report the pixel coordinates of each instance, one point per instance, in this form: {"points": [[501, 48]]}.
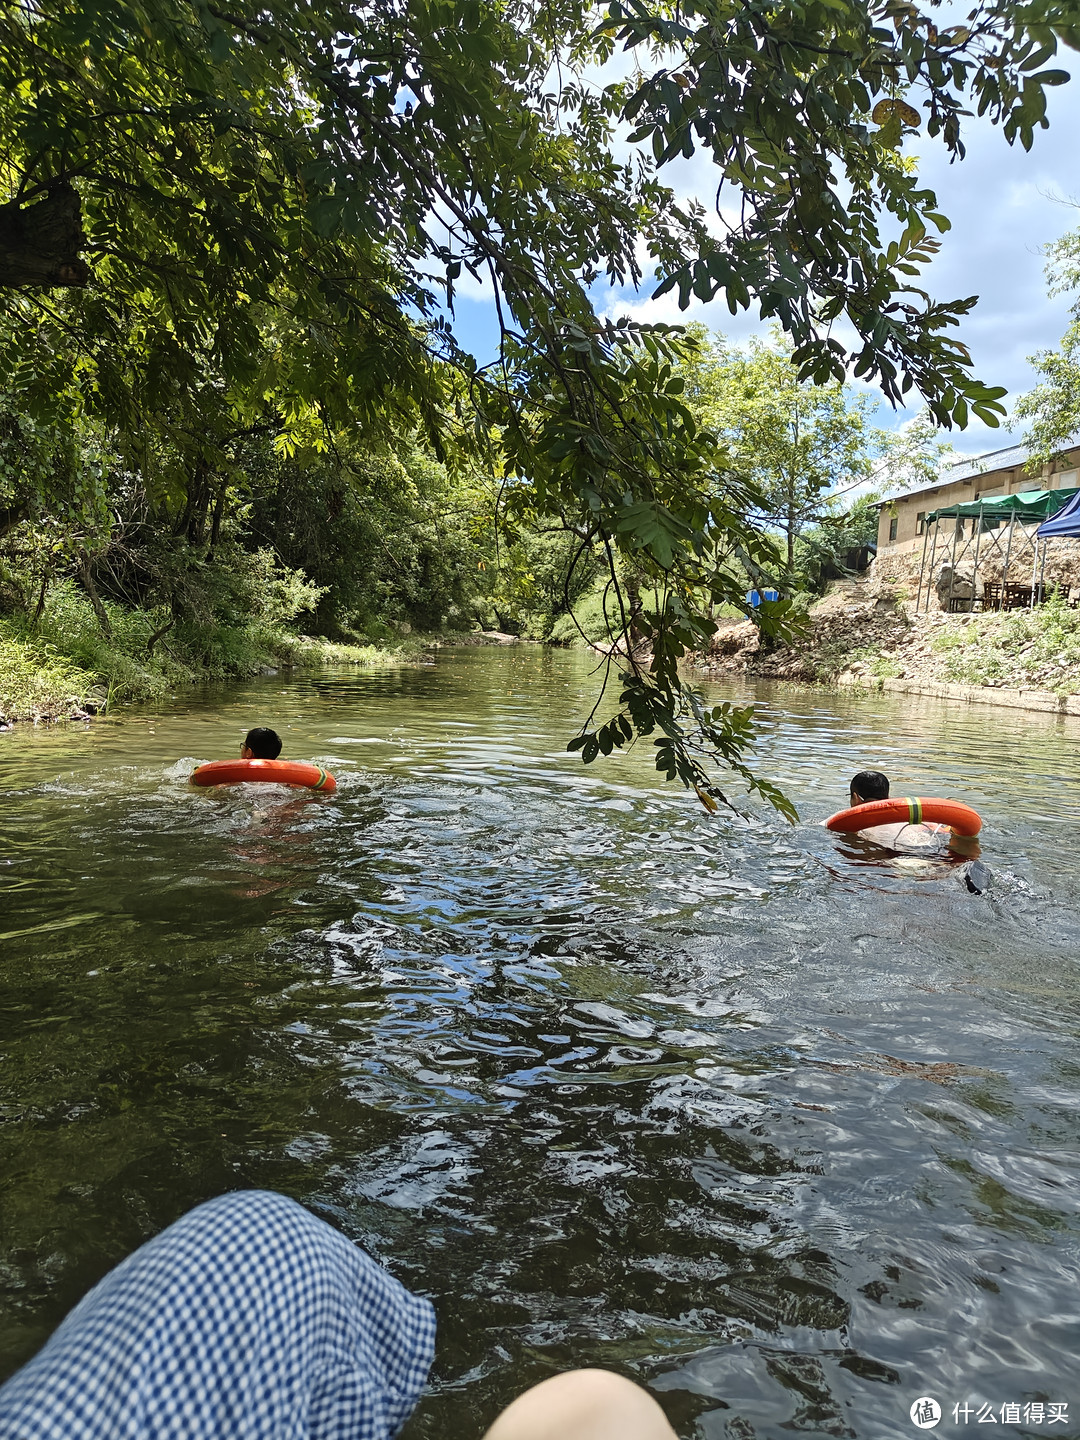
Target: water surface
{"points": [[785, 1134]]}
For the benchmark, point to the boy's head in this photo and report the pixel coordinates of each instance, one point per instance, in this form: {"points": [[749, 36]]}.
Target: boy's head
{"points": [[261, 744], [869, 785]]}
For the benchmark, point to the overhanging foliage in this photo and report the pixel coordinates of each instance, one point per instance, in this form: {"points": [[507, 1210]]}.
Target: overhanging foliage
{"points": [[277, 203]]}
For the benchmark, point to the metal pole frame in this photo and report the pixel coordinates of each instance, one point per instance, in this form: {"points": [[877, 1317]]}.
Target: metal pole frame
{"points": [[1008, 552], [922, 569], [933, 555], [975, 562], [1034, 571], [958, 531]]}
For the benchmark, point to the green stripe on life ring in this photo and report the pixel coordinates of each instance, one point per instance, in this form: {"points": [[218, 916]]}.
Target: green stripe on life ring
{"points": [[321, 780], [914, 810]]}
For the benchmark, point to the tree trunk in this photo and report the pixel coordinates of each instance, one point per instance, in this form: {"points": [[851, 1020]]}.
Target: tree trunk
{"points": [[192, 522], [12, 515], [93, 596], [39, 608], [40, 244], [215, 524], [158, 633]]}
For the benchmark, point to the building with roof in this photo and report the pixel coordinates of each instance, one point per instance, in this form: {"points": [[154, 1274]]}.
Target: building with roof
{"points": [[902, 515]]}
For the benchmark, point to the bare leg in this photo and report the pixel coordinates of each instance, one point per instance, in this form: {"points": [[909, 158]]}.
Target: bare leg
{"points": [[583, 1405]]}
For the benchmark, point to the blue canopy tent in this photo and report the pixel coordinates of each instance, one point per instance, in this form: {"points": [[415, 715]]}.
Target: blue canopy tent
{"points": [[1065, 523]]}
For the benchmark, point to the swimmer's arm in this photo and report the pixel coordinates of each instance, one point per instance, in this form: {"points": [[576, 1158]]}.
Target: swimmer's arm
{"points": [[966, 846]]}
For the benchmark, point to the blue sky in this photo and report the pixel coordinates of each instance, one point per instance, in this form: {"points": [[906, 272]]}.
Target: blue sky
{"points": [[1004, 204]]}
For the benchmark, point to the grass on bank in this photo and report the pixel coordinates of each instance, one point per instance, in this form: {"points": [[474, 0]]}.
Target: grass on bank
{"points": [[35, 682], [1026, 649], [66, 664]]}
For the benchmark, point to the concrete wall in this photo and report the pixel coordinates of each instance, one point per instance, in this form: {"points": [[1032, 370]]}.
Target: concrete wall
{"points": [[900, 521]]}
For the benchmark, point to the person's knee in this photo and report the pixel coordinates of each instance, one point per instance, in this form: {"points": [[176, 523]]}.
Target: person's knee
{"points": [[583, 1405], [248, 1204]]}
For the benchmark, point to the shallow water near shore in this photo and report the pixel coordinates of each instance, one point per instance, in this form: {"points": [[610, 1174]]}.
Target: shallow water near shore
{"points": [[783, 1131]]}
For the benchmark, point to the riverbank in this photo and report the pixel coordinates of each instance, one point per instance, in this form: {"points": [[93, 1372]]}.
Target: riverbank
{"points": [[68, 668], [40, 684], [1026, 659]]}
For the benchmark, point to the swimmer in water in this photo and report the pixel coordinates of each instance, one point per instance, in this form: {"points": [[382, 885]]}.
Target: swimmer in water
{"points": [[905, 838], [261, 744]]}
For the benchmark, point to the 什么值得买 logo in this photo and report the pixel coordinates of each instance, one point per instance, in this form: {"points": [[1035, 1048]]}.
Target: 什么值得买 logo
{"points": [[925, 1412]]}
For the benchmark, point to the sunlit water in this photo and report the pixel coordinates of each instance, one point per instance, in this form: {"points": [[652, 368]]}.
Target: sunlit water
{"points": [[788, 1135]]}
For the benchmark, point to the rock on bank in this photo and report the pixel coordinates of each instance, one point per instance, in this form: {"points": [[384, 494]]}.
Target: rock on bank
{"points": [[845, 627]]}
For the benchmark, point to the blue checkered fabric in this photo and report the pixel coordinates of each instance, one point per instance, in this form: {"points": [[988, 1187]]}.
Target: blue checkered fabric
{"points": [[248, 1318]]}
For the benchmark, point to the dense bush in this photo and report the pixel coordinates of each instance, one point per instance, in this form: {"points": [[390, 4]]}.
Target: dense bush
{"points": [[144, 588], [391, 536]]}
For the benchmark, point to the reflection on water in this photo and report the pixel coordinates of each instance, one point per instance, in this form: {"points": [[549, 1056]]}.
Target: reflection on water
{"points": [[713, 1100]]}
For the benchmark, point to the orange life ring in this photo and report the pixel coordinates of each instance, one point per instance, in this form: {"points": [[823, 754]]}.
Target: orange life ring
{"points": [[960, 818], [274, 772]]}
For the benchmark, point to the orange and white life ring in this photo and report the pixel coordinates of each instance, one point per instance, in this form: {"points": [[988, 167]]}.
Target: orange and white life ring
{"points": [[961, 819], [273, 772]]}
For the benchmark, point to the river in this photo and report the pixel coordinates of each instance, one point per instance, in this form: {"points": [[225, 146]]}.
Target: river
{"points": [[784, 1132]]}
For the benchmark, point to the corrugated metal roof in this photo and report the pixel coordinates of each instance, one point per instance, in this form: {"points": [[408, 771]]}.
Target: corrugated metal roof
{"points": [[970, 467]]}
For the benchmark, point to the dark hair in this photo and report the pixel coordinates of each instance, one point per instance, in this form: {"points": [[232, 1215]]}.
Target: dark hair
{"points": [[264, 744], [871, 785]]}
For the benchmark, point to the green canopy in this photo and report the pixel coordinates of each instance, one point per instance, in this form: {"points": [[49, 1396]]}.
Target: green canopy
{"points": [[1027, 505]]}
